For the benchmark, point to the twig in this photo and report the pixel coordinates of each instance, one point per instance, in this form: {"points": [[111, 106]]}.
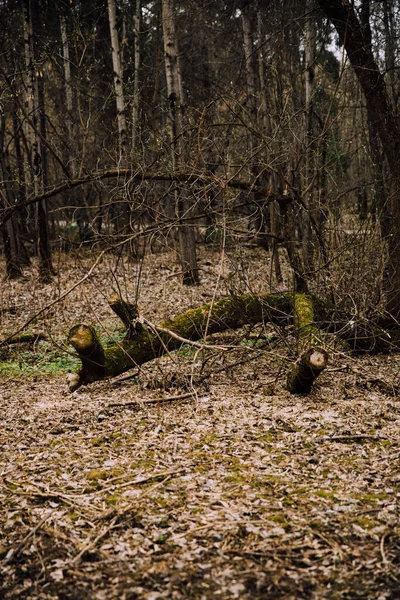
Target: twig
{"points": [[114, 523], [382, 549], [355, 438], [174, 335], [92, 544], [152, 400], [58, 299], [133, 482]]}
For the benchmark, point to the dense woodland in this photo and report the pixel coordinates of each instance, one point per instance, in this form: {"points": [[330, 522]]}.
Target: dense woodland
{"points": [[136, 126], [214, 184]]}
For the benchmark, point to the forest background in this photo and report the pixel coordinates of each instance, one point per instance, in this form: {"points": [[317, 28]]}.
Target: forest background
{"points": [[165, 155]]}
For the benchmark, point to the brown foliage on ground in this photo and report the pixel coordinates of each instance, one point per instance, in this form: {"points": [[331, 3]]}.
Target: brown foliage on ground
{"points": [[238, 490]]}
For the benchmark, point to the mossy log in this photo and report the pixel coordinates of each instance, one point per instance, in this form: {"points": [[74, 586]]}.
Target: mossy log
{"points": [[25, 338], [127, 312], [145, 345], [313, 359], [142, 344]]}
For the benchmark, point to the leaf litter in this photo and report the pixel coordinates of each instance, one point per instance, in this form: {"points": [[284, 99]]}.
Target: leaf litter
{"points": [[228, 488]]}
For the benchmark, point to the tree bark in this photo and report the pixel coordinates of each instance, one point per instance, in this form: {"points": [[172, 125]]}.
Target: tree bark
{"points": [[10, 242], [37, 133], [145, 345], [118, 81], [136, 83], [186, 234], [69, 102], [309, 179], [313, 359]]}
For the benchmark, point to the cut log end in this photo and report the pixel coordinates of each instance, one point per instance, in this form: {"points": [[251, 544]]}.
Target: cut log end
{"points": [[306, 370], [82, 337], [318, 359], [73, 381], [91, 352]]}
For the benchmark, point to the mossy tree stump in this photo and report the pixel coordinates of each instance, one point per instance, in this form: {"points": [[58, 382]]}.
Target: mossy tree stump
{"points": [[313, 359]]}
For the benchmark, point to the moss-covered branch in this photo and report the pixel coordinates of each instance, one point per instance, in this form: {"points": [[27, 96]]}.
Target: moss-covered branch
{"points": [[145, 345], [142, 344], [313, 359]]}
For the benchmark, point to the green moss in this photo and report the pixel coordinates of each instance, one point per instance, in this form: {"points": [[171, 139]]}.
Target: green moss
{"points": [[304, 317], [113, 499], [202, 468], [97, 474], [370, 497], [327, 494], [12, 486], [143, 464], [102, 474], [387, 443], [162, 539], [37, 364], [74, 517], [365, 522], [277, 518], [301, 491], [100, 441], [270, 437], [237, 477]]}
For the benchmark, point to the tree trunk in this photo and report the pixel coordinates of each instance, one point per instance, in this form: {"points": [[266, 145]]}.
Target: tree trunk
{"points": [[71, 129], [10, 243], [38, 160], [184, 209], [21, 217], [309, 183], [263, 96], [136, 83], [118, 82]]}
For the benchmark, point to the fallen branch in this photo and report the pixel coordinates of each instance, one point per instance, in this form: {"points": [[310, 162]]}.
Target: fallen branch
{"points": [[313, 359], [144, 341], [25, 338], [228, 313], [140, 176]]}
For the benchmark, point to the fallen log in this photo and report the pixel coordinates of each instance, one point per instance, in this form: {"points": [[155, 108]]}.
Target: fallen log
{"points": [[25, 338], [145, 345], [310, 365], [142, 343]]}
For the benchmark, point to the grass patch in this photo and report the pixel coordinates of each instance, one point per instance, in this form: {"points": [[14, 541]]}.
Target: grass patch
{"points": [[36, 362]]}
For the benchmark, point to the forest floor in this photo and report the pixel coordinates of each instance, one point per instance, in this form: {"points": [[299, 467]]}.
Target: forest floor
{"points": [[237, 490]]}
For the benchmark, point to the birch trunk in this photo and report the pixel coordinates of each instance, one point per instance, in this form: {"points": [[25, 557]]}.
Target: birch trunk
{"points": [[136, 83], [118, 81], [184, 209], [310, 201], [68, 96]]}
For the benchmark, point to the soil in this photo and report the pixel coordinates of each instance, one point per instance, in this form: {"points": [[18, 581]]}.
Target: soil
{"points": [[197, 476]]}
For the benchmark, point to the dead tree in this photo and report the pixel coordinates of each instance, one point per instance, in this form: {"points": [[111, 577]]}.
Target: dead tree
{"points": [[308, 314]]}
